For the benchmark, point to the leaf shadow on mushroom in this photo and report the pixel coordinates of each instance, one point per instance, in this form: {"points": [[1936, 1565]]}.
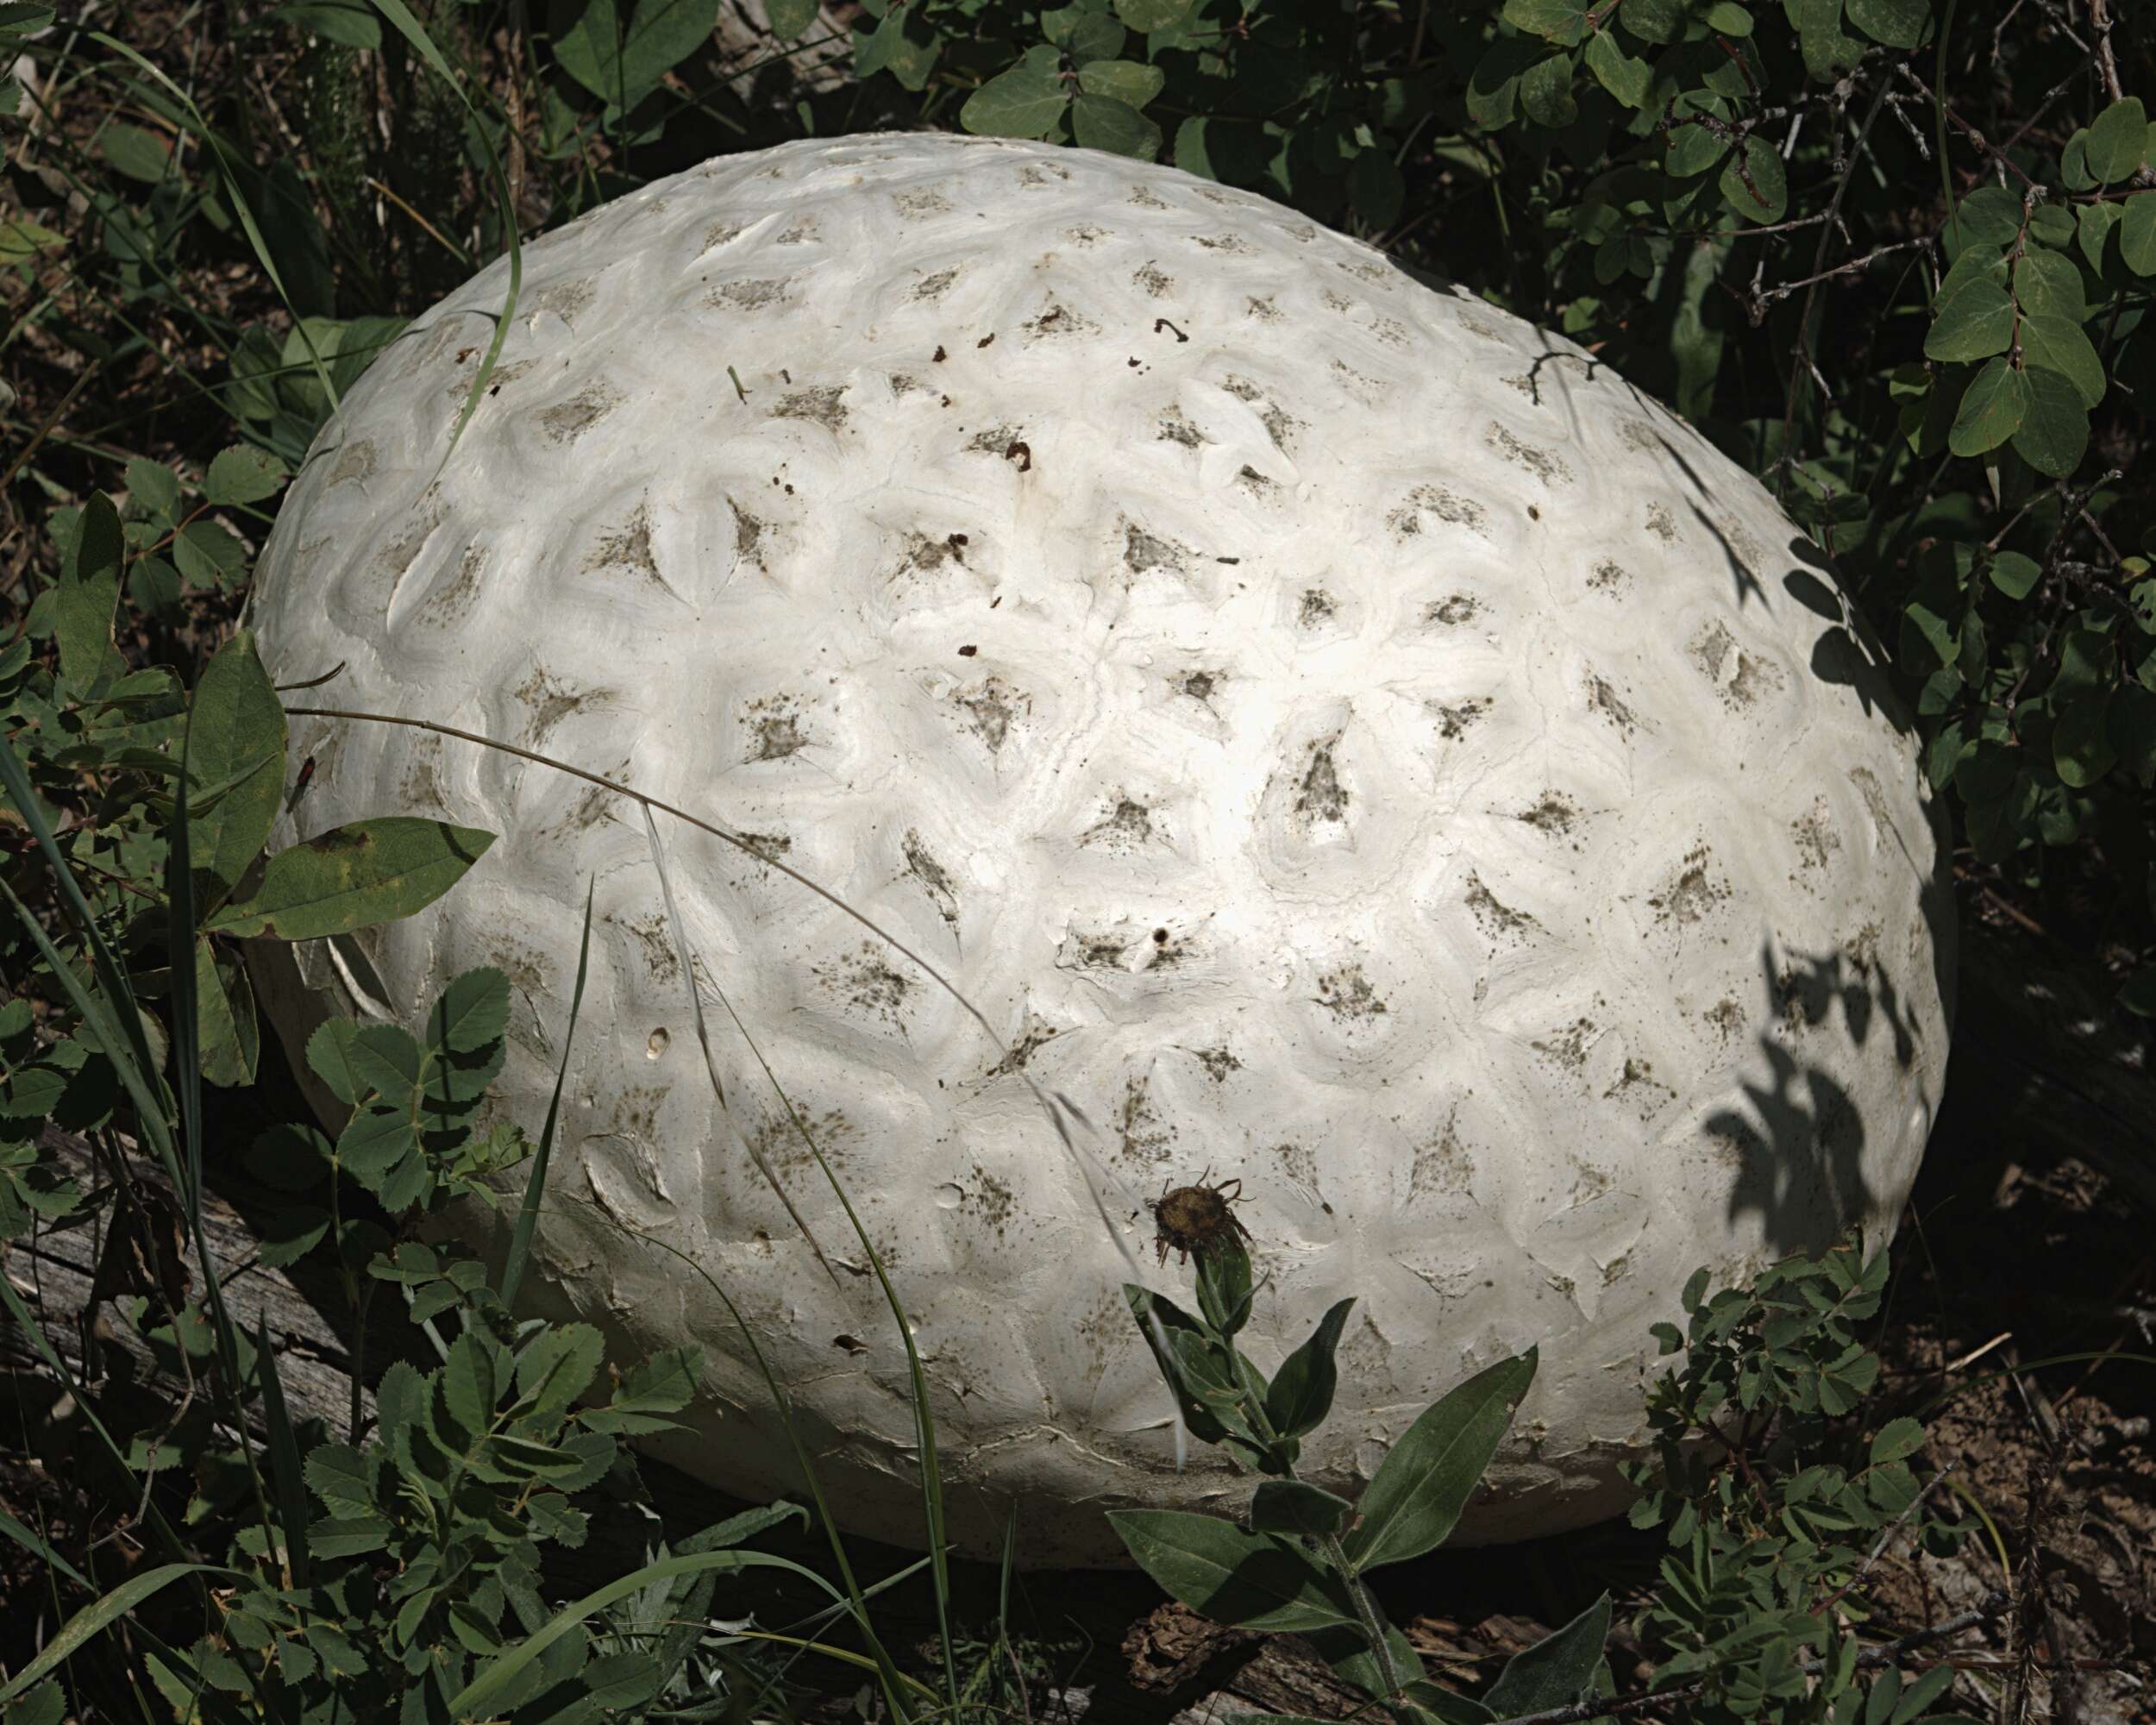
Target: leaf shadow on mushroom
{"points": [[1800, 1139]]}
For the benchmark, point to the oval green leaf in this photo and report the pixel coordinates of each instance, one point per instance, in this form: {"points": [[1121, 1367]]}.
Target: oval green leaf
{"points": [[352, 877]]}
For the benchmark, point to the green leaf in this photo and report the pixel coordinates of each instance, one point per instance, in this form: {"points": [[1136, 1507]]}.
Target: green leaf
{"points": [[349, 23], [790, 18], [1148, 16], [1545, 92], [1766, 197], [1125, 80], [2014, 575], [1827, 53], [900, 45], [1426, 1481], [1897, 1438], [1991, 410], [331, 1052], [208, 554], [2093, 225], [2049, 284], [72, 1636], [621, 64], [88, 593], [1252, 1580], [243, 474], [1292, 1506], [139, 154], [2081, 698], [225, 1016], [1562, 22], [354, 877], [236, 740], [2054, 431], [1301, 1391], [1092, 36], [155, 486], [1025, 102], [2137, 234], [468, 1389], [1101, 122], [1974, 323], [1897, 23], [472, 1012], [2118, 142], [2061, 346], [2073, 163], [1619, 73], [556, 1367], [1557, 1671]]}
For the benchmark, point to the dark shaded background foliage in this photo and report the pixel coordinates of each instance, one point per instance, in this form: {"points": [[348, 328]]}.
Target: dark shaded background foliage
{"points": [[1895, 255]]}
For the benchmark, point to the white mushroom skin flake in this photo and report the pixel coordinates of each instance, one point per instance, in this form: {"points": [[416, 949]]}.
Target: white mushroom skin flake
{"points": [[1347, 740]]}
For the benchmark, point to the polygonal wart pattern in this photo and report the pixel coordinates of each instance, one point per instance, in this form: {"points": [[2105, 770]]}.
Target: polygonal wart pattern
{"points": [[1344, 738]]}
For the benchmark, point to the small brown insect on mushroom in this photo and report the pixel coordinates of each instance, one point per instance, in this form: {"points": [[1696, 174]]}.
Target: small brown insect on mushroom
{"points": [[1197, 1219]]}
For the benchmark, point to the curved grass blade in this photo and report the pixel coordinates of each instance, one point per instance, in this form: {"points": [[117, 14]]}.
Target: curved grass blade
{"points": [[413, 32], [86, 1624], [536, 1184]]}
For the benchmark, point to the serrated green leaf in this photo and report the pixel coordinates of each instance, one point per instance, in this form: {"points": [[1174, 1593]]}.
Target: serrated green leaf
{"points": [[468, 1388], [2118, 142], [352, 877], [243, 474], [154, 487], [1897, 1438], [2053, 435], [471, 1012], [557, 1367]]}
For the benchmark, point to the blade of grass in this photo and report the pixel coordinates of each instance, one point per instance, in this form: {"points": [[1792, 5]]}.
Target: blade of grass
{"points": [[93, 1619], [285, 1466], [471, 1701], [857, 1600], [413, 32], [687, 956], [536, 1184]]}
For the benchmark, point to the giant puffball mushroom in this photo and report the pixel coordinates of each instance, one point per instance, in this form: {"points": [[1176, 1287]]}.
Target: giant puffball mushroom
{"points": [[1346, 740]]}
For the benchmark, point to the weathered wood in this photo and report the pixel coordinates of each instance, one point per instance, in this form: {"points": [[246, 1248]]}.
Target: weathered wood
{"points": [[68, 1276]]}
